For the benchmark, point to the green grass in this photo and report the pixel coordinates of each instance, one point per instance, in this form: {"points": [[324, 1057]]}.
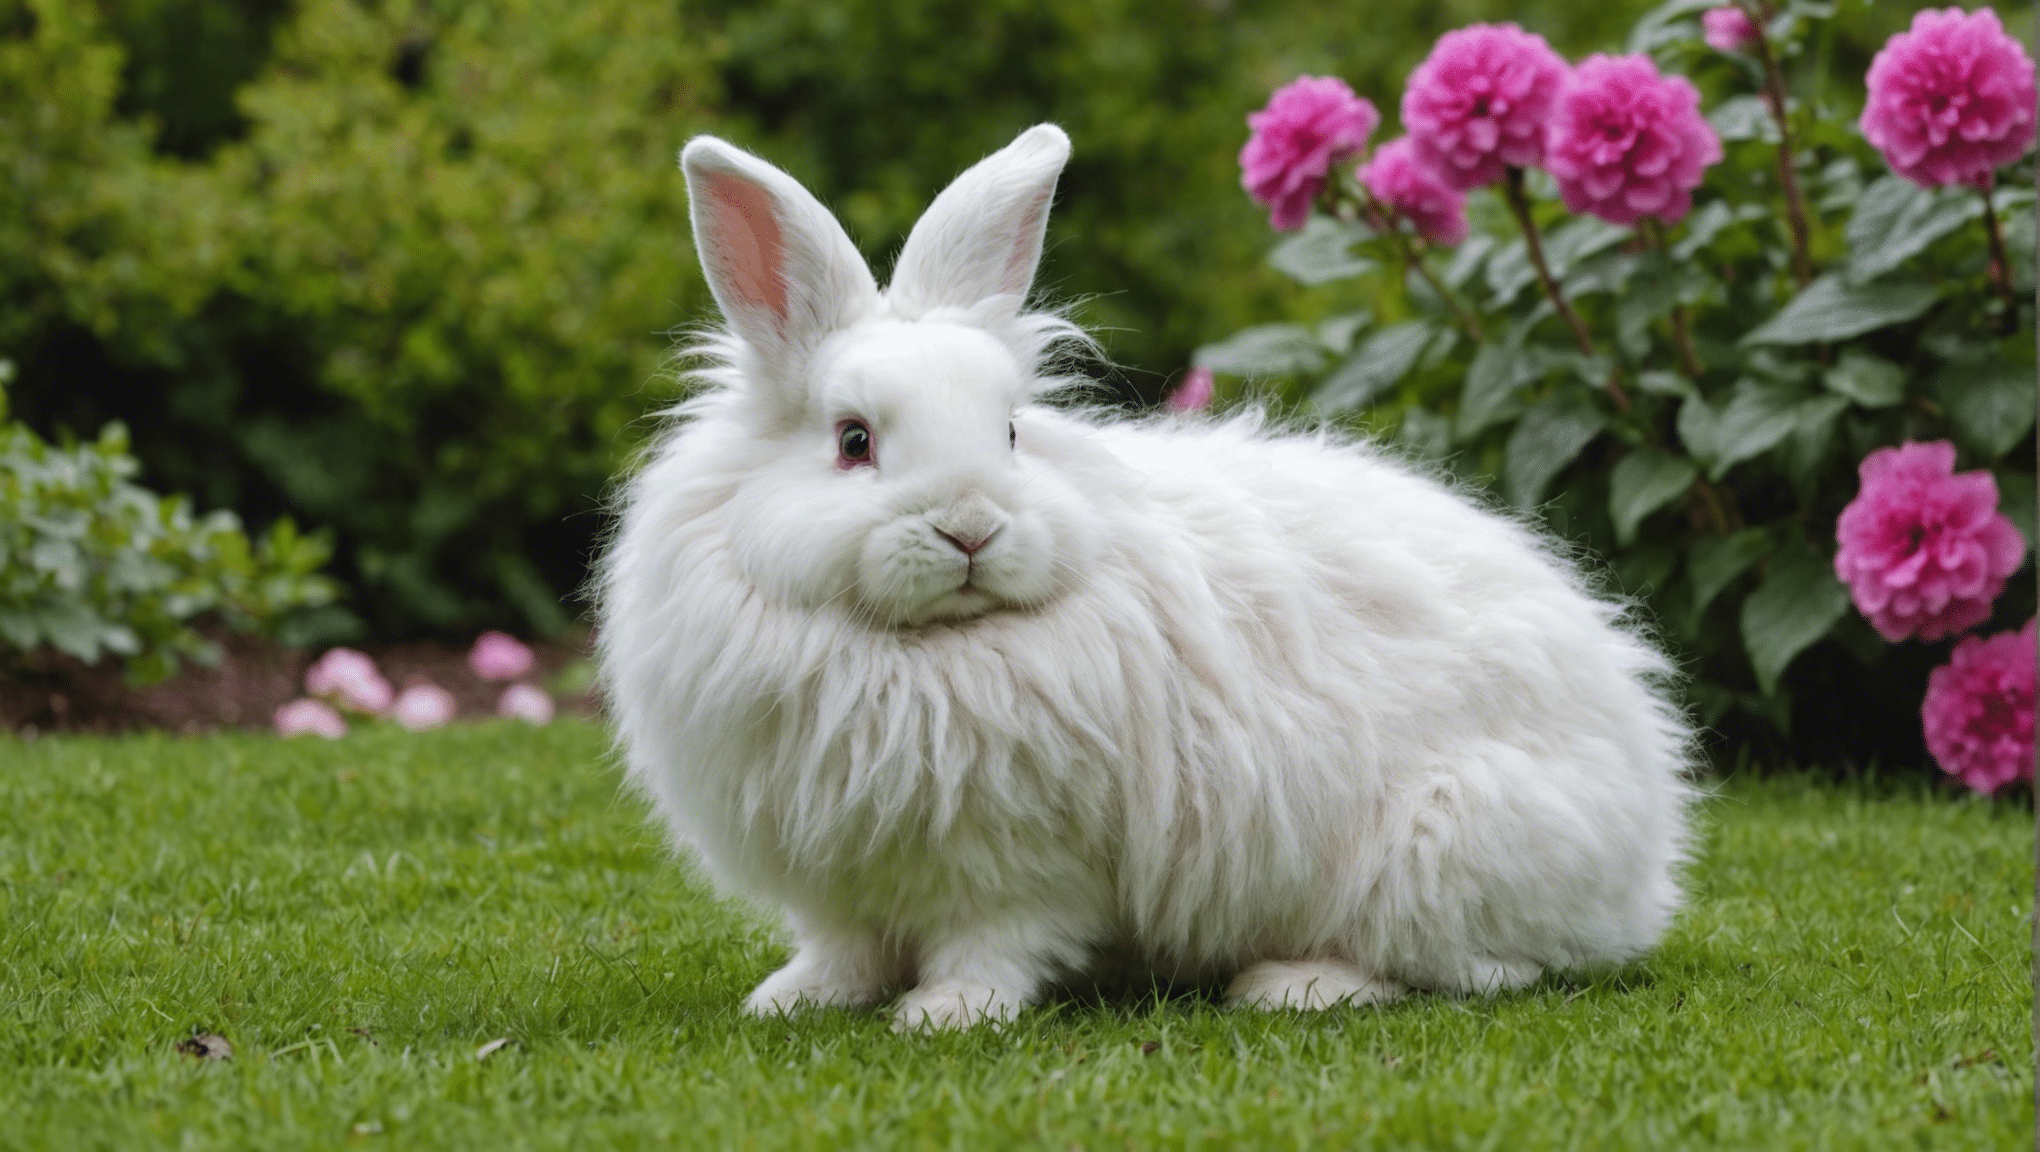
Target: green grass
{"points": [[359, 918]]}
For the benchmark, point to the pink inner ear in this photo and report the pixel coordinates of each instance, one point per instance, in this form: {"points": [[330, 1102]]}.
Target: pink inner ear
{"points": [[1019, 271], [749, 252]]}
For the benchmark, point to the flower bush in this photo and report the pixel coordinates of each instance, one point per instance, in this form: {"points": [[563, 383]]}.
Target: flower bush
{"points": [[1692, 298]]}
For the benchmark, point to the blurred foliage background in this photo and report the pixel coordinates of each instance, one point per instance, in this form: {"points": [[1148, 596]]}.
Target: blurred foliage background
{"points": [[405, 270]]}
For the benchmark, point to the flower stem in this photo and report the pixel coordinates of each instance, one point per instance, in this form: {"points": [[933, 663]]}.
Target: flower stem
{"points": [[1519, 205], [1788, 171], [1682, 332], [2000, 262], [1413, 257]]}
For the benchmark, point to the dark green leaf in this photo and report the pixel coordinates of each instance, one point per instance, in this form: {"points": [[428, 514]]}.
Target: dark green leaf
{"points": [[1990, 403], [1263, 350], [1831, 309], [1759, 414], [1796, 605], [1666, 24], [1381, 360], [1467, 259], [1544, 441], [1659, 287], [1425, 433], [1322, 252], [1489, 394], [1897, 219], [1813, 433], [1716, 561], [1509, 270], [1661, 383], [2015, 500], [1647, 479], [1871, 381], [1575, 240]]}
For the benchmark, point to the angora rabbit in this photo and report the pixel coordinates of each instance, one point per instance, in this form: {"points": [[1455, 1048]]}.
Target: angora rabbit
{"points": [[977, 691]]}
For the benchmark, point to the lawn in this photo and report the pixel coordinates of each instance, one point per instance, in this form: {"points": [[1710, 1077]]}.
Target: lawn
{"points": [[361, 919]]}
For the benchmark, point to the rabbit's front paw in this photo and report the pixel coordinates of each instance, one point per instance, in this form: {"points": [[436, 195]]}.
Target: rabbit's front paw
{"points": [[810, 982], [1275, 984], [951, 1004]]}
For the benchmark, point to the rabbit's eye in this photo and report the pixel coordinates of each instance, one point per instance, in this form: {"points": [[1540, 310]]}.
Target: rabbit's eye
{"points": [[1012, 436], [853, 443]]}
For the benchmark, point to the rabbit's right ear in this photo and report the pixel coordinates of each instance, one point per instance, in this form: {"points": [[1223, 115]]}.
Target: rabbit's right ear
{"points": [[782, 269]]}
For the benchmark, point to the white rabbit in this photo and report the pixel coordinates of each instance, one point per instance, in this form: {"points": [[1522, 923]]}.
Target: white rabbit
{"points": [[975, 691]]}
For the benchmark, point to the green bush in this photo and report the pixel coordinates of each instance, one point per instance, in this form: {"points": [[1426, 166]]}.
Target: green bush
{"points": [[405, 269], [1703, 431], [92, 564]]}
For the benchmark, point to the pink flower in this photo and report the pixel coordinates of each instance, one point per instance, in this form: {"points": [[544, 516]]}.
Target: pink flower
{"points": [[1923, 550], [1478, 103], [1978, 714], [1952, 100], [1729, 29], [496, 656], [1193, 394], [1308, 126], [1628, 142], [526, 703], [307, 715], [350, 678], [1412, 190], [422, 706]]}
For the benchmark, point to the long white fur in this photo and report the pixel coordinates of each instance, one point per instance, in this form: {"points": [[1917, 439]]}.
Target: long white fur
{"points": [[1235, 701]]}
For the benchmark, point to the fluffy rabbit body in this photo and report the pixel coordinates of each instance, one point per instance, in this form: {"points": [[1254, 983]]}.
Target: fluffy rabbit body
{"points": [[977, 692]]}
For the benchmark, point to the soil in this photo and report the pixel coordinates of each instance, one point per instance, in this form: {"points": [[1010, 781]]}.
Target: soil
{"points": [[58, 693]]}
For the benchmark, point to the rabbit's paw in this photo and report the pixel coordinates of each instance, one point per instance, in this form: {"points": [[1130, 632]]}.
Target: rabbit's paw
{"points": [[1273, 984], [802, 985], [953, 1004]]}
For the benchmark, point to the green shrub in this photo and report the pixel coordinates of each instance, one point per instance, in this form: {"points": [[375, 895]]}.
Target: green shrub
{"points": [[91, 563], [1709, 435], [404, 269]]}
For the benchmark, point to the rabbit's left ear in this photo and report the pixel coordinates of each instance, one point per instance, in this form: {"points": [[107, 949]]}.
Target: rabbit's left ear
{"points": [[982, 237]]}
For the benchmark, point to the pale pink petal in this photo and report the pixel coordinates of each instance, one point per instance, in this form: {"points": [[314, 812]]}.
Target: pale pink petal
{"points": [[305, 716], [526, 703], [423, 706], [497, 656]]}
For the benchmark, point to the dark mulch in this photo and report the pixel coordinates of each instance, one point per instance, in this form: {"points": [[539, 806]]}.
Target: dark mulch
{"points": [[57, 693]]}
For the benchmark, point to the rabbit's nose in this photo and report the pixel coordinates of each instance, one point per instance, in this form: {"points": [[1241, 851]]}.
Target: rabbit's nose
{"points": [[970, 523]]}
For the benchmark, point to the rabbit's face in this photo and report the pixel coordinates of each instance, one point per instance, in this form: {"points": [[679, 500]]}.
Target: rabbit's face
{"points": [[913, 491]]}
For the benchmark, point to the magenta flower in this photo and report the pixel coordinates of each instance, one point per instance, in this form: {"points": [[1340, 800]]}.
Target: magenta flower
{"points": [[1628, 142], [526, 703], [305, 715], [1729, 29], [496, 656], [1412, 190], [423, 705], [350, 678], [1478, 103], [1923, 550], [1308, 126], [1193, 394], [1950, 101], [1978, 714]]}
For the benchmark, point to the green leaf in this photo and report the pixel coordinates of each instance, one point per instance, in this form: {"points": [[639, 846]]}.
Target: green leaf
{"points": [[1666, 24], [1716, 561], [1425, 433], [1467, 259], [1263, 350], [1509, 270], [1659, 382], [1871, 381], [1544, 441], [1381, 360], [1321, 253], [1759, 414], [1337, 332], [1575, 240], [1813, 433], [1896, 219], [1744, 117], [1990, 403], [1489, 394], [1646, 480], [1832, 309], [1659, 287], [1798, 603], [2015, 501]]}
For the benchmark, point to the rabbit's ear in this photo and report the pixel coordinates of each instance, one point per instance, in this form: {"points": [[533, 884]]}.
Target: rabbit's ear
{"points": [[982, 237], [781, 267]]}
